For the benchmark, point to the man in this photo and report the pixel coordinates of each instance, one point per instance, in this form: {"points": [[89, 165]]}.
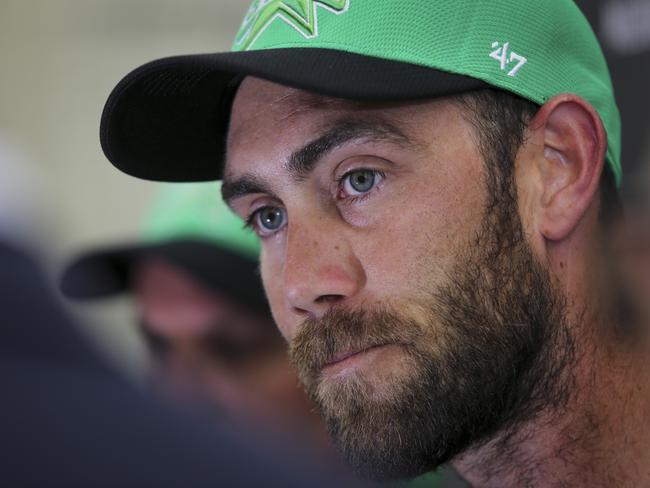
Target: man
{"points": [[433, 183], [68, 419], [202, 311]]}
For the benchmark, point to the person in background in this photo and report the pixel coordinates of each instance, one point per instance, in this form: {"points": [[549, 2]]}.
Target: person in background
{"points": [[202, 311], [70, 419]]}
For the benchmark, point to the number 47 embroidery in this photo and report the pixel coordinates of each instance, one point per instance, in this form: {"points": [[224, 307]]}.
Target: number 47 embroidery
{"points": [[501, 55]]}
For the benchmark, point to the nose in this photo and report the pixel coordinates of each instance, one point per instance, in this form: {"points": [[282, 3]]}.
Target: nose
{"points": [[321, 269]]}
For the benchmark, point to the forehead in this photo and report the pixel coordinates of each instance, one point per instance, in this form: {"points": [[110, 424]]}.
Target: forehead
{"points": [[278, 119], [257, 93], [259, 103]]}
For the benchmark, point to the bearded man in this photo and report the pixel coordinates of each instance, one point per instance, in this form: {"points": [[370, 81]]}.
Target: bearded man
{"points": [[433, 183]]}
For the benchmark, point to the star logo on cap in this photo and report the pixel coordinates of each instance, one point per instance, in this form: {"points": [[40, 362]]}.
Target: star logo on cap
{"points": [[302, 15]]}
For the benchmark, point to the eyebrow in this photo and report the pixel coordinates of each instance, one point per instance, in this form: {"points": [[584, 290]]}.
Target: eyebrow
{"points": [[245, 185], [302, 162]]}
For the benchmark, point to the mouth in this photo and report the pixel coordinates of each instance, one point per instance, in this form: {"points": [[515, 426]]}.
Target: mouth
{"points": [[351, 358]]}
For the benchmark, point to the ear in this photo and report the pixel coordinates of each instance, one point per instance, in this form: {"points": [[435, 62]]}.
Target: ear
{"points": [[571, 145]]}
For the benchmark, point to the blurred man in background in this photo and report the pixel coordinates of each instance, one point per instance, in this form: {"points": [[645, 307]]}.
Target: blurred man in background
{"points": [[202, 311], [69, 419]]}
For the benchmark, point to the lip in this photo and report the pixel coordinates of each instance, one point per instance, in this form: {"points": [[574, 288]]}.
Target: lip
{"points": [[350, 353]]}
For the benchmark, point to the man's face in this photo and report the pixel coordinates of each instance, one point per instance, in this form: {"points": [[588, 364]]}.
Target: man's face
{"points": [[207, 346], [342, 246], [416, 316]]}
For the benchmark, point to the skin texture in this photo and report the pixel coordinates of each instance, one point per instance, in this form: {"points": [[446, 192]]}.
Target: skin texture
{"points": [[398, 244]]}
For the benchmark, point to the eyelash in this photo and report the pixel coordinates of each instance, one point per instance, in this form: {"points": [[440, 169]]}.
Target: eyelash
{"points": [[251, 221]]}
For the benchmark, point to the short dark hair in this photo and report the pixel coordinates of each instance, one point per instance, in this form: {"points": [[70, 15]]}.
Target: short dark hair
{"points": [[501, 119]]}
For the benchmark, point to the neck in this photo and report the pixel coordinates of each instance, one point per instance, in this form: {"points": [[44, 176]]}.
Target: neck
{"points": [[601, 437]]}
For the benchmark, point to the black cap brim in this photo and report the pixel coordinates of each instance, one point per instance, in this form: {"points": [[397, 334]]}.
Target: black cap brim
{"points": [[168, 119], [108, 272]]}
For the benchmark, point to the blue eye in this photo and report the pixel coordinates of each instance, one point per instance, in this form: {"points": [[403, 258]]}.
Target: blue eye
{"points": [[270, 219], [360, 181]]}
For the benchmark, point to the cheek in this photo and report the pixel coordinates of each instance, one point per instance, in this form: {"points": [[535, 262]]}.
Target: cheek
{"points": [[416, 246], [403, 259], [270, 268]]}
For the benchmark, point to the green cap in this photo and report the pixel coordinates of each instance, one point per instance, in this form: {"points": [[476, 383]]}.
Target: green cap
{"points": [[379, 50], [189, 226], [196, 211]]}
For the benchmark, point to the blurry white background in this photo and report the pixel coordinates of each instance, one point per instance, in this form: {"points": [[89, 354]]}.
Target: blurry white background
{"points": [[59, 60]]}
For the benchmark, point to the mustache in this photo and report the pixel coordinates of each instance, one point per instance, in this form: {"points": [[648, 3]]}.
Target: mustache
{"points": [[320, 342]]}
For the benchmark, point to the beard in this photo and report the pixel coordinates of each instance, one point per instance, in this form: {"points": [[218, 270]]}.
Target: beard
{"points": [[490, 350]]}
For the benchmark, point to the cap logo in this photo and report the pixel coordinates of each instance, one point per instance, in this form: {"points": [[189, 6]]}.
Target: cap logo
{"points": [[302, 15], [505, 61]]}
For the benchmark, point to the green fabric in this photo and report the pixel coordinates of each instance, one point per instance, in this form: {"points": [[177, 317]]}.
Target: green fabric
{"points": [[196, 211], [429, 480], [550, 47]]}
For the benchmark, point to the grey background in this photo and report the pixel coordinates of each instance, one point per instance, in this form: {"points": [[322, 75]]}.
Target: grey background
{"points": [[59, 60]]}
